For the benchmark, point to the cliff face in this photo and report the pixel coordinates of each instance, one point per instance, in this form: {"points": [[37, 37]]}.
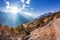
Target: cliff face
{"points": [[46, 28]]}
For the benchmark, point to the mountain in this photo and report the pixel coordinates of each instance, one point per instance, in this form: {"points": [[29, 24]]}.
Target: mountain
{"points": [[2, 17], [13, 20], [44, 28]]}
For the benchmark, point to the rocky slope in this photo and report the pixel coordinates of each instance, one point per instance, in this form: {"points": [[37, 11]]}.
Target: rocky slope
{"points": [[45, 28]]}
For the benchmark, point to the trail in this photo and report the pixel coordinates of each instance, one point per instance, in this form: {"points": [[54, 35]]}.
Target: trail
{"points": [[56, 25]]}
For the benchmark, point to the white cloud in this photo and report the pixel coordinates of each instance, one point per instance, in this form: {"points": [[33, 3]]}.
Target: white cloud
{"points": [[23, 6], [7, 4], [20, 9], [31, 14], [28, 2], [22, 1], [27, 13]]}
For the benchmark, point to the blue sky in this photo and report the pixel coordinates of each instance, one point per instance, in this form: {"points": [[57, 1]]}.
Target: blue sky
{"points": [[46, 5], [37, 5], [28, 10]]}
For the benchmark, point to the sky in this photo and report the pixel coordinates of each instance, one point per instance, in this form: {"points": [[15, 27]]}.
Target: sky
{"points": [[41, 6], [27, 9]]}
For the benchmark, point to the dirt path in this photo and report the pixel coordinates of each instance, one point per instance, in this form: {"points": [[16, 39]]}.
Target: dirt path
{"points": [[56, 25]]}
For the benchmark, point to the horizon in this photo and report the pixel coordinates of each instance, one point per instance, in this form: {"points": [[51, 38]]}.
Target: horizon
{"points": [[17, 12]]}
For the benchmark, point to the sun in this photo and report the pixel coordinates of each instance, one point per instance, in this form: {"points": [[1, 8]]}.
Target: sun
{"points": [[14, 10]]}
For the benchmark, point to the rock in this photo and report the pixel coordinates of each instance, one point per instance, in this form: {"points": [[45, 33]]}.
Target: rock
{"points": [[44, 33]]}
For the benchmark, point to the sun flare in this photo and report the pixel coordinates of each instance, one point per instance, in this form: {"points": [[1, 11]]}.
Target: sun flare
{"points": [[14, 9]]}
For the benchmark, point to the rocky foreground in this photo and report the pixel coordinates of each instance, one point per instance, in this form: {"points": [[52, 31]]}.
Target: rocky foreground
{"points": [[47, 27]]}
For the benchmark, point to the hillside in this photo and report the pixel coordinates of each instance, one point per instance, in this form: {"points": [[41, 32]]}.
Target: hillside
{"points": [[46, 27]]}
